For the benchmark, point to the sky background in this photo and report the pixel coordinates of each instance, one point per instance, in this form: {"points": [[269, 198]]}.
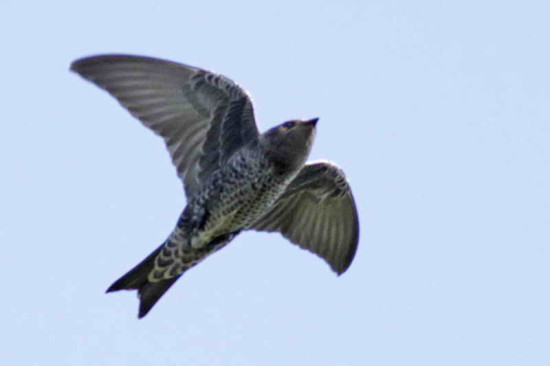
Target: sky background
{"points": [[438, 112]]}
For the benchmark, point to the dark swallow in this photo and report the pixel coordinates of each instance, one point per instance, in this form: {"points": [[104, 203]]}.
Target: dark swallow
{"points": [[234, 178]]}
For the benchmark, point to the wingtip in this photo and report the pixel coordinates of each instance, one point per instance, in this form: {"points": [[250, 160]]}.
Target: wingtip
{"points": [[76, 63], [72, 66], [340, 270], [346, 264]]}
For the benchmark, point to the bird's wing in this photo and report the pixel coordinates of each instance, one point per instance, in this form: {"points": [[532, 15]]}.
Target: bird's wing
{"points": [[202, 117], [318, 213]]}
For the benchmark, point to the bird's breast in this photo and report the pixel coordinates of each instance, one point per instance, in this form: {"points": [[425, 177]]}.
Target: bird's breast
{"points": [[239, 193]]}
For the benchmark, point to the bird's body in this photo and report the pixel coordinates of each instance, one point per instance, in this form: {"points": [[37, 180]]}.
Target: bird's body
{"points": [[232, 199], [238, 193], [235, 179]]}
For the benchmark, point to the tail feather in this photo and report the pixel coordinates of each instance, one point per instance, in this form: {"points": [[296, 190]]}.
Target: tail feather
{"points": [[150, 292], [137, 279]]}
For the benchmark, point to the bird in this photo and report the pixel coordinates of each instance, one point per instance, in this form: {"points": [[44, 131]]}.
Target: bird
{"points": [[234, 177]]}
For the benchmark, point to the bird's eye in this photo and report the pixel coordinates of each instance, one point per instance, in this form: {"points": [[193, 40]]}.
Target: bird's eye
{"points": [[288, 125]]}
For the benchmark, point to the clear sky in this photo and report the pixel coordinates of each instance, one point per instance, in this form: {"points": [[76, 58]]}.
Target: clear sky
{"points": [[439, 113]]}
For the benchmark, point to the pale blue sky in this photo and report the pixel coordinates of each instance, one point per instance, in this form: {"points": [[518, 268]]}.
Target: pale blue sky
{"points": [[437, 111]]}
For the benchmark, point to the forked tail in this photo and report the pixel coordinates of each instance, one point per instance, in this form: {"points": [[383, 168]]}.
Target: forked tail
{"points": [[172, 261], [137, 279]]}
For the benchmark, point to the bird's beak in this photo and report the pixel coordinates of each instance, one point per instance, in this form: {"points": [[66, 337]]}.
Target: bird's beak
{"points": [[312, 122]]}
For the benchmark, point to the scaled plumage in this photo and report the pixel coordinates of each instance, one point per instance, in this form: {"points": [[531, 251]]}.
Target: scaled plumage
{"points": [[234, 177]]}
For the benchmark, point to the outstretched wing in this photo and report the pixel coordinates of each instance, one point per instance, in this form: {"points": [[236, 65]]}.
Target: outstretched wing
{"points": [[318, 213], [203, 117]]}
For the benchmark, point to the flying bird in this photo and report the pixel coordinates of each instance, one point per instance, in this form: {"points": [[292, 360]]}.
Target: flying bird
{"points": [[234, 177]]}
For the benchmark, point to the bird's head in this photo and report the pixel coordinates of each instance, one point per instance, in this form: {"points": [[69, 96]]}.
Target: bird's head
{"points": [[289, 143]]}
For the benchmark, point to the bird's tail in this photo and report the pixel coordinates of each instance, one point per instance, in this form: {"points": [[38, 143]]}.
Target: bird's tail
{"points": [[137, 279], [150, 292]]}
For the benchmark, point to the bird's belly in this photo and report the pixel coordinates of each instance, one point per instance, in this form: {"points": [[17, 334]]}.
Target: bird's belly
{"points": [[240, 206]]}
